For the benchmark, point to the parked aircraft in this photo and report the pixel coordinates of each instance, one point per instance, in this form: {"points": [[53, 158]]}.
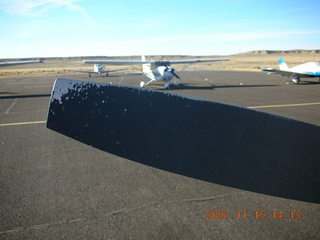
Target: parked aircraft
{"points": [[98, 69], [2, 64], [306, 70], [156, 70]]}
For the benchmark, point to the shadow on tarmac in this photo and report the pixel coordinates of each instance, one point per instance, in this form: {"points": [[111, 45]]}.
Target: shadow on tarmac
{"points": [[205, 87], [23, 95], [306, 83], [202, 139]]}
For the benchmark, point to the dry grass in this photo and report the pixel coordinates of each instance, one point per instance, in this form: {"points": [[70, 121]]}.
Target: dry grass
{"points": [[4, 73], [257, 63], [241, 62]]}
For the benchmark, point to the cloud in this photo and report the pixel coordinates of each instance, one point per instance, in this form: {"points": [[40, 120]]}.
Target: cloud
{"points": [[39, 8], [251, 24], [260, 35], [289, 11], [189, 44], [216, 37], [206, 44]]}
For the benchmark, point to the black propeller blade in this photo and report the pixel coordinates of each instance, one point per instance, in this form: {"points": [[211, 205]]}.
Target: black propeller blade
{"points": [[172, 70]]}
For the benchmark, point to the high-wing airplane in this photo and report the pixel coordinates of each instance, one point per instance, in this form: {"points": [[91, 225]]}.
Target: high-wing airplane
{"points": [[98, 69], [156, 70], [19, 62], [306, 70]]}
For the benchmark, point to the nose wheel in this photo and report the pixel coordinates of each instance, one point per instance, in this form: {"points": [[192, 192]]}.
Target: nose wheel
{"points": [[142, 84], [177, 82], [296, 80], [167, 85]]}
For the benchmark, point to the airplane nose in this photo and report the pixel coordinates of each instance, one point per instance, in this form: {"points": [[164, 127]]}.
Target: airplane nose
{"points": [[172, 70]]}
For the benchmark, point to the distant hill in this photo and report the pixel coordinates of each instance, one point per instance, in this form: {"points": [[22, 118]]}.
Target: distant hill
{"points": [[131, 57], [280, 52]]}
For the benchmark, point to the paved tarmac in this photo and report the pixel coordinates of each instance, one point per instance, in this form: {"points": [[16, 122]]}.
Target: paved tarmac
{"points": [[53, 187]]}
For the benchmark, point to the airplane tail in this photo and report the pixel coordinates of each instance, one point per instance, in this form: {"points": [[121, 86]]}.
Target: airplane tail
{"points": [[283, 65]]}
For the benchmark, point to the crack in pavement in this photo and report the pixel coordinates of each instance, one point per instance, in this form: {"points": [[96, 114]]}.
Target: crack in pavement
{"points": [[120, 211]]}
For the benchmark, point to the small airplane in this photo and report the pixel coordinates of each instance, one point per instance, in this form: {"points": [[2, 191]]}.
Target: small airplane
{"points": [[156, 70], [306, 70], [99, 69], [2, 64]]}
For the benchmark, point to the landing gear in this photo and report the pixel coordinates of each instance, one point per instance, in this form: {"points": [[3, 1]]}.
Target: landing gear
{"points": [[142, 84], [177, 82], [167, 85], [296, 80]]}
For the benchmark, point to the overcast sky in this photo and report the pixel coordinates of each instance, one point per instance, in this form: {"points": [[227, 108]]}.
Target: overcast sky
{"points": [[49, 28]]}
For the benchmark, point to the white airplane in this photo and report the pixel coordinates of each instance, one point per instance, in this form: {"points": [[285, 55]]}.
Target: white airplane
{"points": [[156, 70], [98, 69], [2, 64], [306, 70]]}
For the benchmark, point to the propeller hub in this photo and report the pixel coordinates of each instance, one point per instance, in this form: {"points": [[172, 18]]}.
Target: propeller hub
{"points": [[172, 70], [169, 69]]}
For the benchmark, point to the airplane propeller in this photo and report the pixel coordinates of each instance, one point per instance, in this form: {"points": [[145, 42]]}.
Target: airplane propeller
{"points": [[172, 70]]}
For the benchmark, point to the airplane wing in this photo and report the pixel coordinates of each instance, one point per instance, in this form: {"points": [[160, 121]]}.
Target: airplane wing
{"points": [[290, 73], [116, 62], [113, 70], [158, 63], [19, 62], [84, 71], [196, 60], [134, 73], [104, 71]]}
